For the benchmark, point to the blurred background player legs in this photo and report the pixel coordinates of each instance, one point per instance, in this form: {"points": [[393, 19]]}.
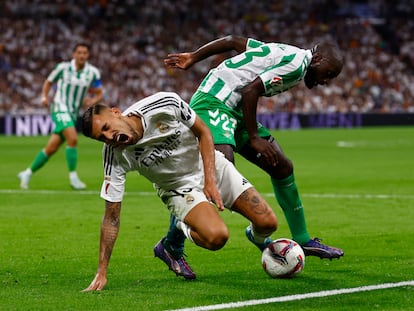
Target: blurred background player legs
{"points": [[52, 146]]}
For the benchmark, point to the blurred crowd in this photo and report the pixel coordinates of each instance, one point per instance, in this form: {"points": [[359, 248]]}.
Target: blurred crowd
{"points": [[130, 38]]}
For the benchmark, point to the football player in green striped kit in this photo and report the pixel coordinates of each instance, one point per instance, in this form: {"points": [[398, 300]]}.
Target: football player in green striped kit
{"points": [[78, 84], [226, 101]]}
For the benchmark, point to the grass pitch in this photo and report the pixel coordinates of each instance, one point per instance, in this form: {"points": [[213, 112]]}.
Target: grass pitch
{"points": [[357, 187]]}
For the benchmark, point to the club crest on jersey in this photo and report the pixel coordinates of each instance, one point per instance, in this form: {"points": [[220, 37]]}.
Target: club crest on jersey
{"points": [[228, 134], [189, 199], [162, 127], [276, 81]]}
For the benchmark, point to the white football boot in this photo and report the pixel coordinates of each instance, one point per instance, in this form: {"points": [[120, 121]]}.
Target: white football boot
{"points": [[75, 182], [24, 177]]}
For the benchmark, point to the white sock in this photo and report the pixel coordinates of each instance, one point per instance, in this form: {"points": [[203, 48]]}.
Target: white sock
{"points": [[73, 175], [185, 229]]}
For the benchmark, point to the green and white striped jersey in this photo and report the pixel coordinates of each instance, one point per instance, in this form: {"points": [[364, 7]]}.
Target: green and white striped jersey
{"points": [[279, 66], [72, 86]]}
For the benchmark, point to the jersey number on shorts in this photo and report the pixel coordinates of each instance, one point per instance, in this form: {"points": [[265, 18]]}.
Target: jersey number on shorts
{"points": [[63, 117], [227, 124]]}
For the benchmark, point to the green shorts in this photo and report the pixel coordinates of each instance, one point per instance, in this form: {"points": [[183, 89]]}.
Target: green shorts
{"points": [[62, 120], [226, 124]]}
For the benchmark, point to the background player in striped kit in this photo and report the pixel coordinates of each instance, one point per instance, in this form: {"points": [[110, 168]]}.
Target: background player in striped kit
{"points": [[226, 101], [74, 80]]}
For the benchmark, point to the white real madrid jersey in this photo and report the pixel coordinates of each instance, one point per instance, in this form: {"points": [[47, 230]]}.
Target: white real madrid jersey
{"points": [[168, 153], [279, 66]]}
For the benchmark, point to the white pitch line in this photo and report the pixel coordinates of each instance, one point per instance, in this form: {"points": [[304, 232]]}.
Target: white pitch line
{"points": [[358, 196], [80, 192], [326, 293], [149, 193]]}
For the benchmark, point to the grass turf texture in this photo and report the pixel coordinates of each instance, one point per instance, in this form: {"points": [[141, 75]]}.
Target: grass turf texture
{"points": [[357, 189]]}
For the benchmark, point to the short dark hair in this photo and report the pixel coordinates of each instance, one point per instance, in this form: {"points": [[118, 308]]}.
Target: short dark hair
{"points": [[88, 116], [84, 44], [331, 51]]}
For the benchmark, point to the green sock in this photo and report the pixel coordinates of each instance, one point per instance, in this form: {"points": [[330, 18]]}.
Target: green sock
{"points": [[40, 160], [72, 158], [174, 241], [287, 195]]}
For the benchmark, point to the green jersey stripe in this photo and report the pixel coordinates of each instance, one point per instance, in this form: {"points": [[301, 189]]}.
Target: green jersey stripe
{"points": [[217, 87]]}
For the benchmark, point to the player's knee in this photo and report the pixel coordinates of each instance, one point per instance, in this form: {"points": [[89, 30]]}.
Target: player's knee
{"points": [[72, 142], [266, 224], [288, 165], [217, 238], [285, 165], [271, 223], [283, 169]]}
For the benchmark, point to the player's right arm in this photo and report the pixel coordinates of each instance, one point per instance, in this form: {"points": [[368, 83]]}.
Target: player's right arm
{"points": [[187, 59], [206, 145], [53, 77], [45, 91], [109, 233], [250, 97]]}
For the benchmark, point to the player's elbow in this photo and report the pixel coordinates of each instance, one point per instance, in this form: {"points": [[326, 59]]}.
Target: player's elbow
{"points": [[236, 43]]}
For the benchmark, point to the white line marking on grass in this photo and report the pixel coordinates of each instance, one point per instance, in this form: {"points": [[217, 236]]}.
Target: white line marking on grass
{"points": [[143, 193], [14, 191], [80, 192], [326, 293], [358, 196], [345, 144]]}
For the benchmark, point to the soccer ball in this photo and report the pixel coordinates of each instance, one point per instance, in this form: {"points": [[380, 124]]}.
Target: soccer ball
{"points": [[283, 258]]}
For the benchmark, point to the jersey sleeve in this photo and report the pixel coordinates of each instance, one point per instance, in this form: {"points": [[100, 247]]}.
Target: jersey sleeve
{"points": [[285, 73], [113, 186], [56, 73], [96, 79], [278, 80], [184, 112]]}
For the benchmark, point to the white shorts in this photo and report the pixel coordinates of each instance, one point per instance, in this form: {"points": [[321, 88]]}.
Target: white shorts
{"points": [[230, 182]]}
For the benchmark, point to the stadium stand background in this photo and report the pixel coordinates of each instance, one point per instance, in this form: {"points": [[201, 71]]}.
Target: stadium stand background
{"points": [[130, 39]]}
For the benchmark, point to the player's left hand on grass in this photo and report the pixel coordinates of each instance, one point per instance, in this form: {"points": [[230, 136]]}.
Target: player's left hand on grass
{"points": [[98, 283]]}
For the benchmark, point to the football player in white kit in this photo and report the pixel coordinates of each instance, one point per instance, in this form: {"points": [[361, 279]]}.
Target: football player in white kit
{"points": [[163, 139], [226, 101]]}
